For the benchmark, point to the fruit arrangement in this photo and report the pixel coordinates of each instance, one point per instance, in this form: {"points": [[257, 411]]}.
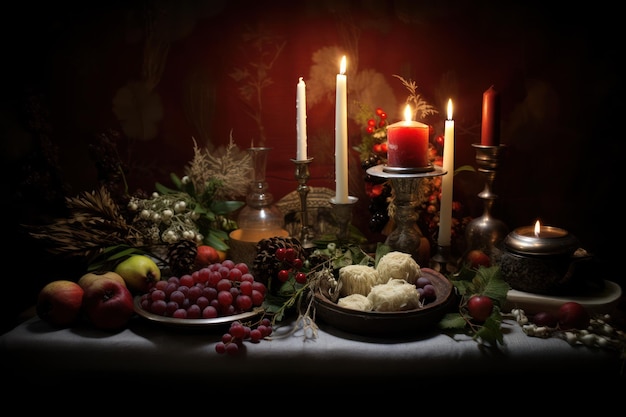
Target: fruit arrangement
{"points": [[217, 290]]}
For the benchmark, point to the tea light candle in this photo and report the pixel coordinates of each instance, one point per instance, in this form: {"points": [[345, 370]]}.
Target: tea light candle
{"points": [[541, 240], [407, 143]]}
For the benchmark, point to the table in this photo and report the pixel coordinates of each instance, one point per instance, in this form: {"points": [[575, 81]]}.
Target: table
{"points": [[150, 355]]}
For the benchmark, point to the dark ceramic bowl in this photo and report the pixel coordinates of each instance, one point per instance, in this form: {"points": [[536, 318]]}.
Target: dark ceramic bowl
{"points": [[397, 323]]}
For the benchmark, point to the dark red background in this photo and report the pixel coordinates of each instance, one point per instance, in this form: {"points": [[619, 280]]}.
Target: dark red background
{"points": [[558, 77]]}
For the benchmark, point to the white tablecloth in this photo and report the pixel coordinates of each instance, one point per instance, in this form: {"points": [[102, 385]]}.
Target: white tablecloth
{"points": [[35, 353]]}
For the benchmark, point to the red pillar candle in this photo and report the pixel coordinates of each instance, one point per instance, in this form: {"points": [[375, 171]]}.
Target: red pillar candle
{"points": [[407, 144], [490, 128]]}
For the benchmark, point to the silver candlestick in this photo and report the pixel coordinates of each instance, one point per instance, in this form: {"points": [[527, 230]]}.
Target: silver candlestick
{"points": [[486, 233], [343, 217], [302, 175], [406, 237]]}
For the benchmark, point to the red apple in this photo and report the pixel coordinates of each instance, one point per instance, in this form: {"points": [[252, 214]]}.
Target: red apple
{"points": [[108, 304], [206, 256], [480, 307], [59, 303], [87, 279], [476, 258], [573, 315]]}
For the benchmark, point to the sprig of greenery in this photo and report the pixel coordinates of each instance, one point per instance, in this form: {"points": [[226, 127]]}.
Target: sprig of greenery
{"points": [[482, 281], [212, 220], [291, 293]]}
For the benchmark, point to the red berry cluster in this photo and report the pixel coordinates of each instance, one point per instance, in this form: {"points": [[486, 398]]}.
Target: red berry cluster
{"points": [[290, 265], [238, 332], [372, 124], [379, 147]]}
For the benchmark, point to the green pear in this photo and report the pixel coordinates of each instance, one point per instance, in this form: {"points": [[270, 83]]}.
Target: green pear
{"points": [[140, 272]]}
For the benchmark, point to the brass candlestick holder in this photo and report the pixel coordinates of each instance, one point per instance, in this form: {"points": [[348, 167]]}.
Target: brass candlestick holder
{"points": [[302, 175], [406, 237], [487, 233], [343, 217]]}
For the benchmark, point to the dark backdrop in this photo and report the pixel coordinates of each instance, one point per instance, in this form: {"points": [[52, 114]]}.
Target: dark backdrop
{"points": [[160, 74]]}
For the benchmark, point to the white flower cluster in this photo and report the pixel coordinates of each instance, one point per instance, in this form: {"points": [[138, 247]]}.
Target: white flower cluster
{"points": [[165, 218]]}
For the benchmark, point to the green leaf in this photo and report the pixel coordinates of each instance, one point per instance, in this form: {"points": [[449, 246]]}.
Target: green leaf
{"points": [[464, 287], [485, 281], [162, 189], [177, 182], [216, 240], [381, 250], [225, 207], [490, 331], [452, 321]]}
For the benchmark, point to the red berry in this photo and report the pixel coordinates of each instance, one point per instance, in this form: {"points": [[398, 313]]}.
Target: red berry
{"points": [[480, 307], [290, 254], [283, 275], [379, 111], [281, 254], [371, 122], [544, 318], [573, 315], [297, 263], [301, 278]]}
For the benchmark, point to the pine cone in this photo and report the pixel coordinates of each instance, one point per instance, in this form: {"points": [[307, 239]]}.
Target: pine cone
{"points": [[265, 265], [182, 257]]}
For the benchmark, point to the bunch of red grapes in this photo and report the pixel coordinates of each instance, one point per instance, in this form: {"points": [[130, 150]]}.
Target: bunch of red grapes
{"points": [[220, 289], [239, 332]]}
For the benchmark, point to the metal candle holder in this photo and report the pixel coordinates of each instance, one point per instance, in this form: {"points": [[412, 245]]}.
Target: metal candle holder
{"points": [[443, 261], [302, 175], [486, 233], [406, 237], [343, 216]]}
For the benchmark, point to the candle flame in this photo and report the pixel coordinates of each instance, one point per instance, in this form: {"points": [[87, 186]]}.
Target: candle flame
{"points": [[408, 114], [537, 228], [342, 66], [449, 109]]}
